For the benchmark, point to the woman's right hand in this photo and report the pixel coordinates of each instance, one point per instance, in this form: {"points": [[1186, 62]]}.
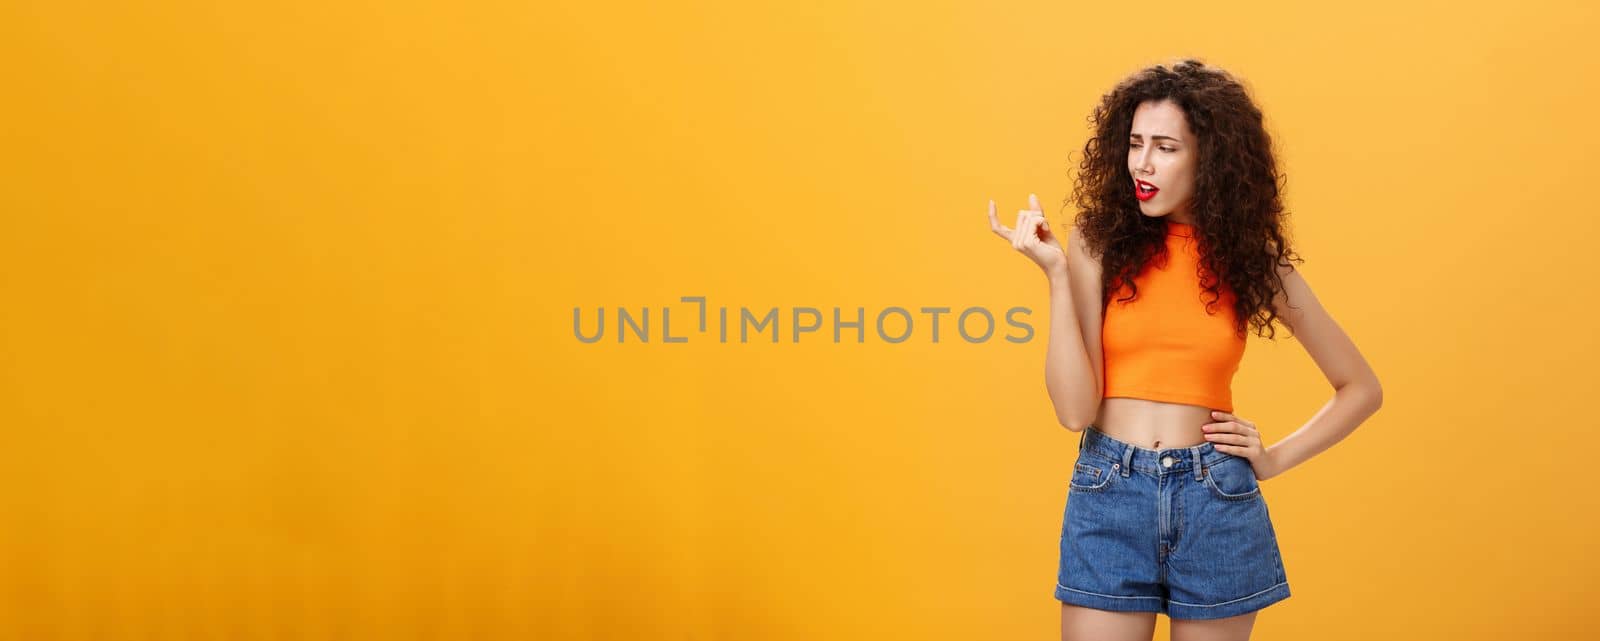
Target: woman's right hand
{"points": [[1032, 236]]}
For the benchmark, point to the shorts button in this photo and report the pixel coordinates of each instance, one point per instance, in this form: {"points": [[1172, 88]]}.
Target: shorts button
{"points": [[1166, 461]]}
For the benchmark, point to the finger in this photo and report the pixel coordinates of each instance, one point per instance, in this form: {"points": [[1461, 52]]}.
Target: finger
{"points": [[1235, 439], [1031, 220], [1033, 202], [1022, 231], [1224, 426], [1229, 417], [995, 226]]}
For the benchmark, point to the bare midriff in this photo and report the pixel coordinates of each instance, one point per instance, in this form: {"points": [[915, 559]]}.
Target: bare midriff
{"points": [[1153, 424]]}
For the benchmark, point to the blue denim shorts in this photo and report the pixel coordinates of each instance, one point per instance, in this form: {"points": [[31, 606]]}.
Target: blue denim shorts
{"points": [[1183, 531]]}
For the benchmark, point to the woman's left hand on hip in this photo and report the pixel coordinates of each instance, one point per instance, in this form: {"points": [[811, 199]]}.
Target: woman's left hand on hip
{"points": [[1238, 437]]}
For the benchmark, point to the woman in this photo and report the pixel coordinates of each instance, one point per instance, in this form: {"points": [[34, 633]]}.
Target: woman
{"points": [[1177, 249]]}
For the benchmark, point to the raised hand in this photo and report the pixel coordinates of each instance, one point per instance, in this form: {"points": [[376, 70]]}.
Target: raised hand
{"points": [[1032, 236]]}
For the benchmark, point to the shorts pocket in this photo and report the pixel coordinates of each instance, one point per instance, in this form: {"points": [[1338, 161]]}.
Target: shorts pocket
{"points": [[1233, 479], [1092, 474]]}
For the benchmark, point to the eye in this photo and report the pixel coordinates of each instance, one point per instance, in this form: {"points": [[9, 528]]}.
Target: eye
{"points": [[1168, 149]]}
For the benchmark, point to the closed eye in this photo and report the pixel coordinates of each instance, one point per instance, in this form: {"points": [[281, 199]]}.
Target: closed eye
{"points": [[1135, 145]]}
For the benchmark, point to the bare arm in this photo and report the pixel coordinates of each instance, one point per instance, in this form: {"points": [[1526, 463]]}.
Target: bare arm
{"points": [[1357, 394], [1074, 370]]}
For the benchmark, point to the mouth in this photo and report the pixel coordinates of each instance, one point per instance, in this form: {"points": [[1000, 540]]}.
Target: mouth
{"points": [[1143, 190]]}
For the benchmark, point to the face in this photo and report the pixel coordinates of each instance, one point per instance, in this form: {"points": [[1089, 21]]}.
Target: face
{"points": [[1162, 152]]}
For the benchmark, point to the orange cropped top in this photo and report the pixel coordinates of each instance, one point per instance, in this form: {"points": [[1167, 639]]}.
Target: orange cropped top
{"points": [[1164, 345]]}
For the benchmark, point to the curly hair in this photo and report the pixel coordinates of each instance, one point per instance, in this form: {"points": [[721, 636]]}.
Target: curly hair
{"points": [[1238, 215]]}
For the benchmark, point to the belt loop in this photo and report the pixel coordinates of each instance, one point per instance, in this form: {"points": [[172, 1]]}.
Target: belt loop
{"points": [[1081, 437], [1195, 452], [1127, 460]]}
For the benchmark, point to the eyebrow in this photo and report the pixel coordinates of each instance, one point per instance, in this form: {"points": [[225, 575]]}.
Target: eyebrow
{"points": [[1155, 137]]}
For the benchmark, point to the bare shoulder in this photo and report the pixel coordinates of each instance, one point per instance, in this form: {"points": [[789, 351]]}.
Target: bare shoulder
{"points": [[1079, 258], [1295, 300]]}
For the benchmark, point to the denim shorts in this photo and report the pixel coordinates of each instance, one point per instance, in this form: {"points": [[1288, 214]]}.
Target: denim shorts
{"points": [[1182, 531]]}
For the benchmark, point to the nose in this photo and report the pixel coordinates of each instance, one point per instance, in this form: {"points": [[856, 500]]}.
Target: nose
{"points": [[1141, 163]]}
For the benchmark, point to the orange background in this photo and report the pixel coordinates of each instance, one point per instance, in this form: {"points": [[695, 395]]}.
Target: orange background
{"points": [[288, 295]]}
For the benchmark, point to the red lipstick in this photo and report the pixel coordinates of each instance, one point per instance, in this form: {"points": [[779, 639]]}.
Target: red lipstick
{"points": [[1144, 190]]}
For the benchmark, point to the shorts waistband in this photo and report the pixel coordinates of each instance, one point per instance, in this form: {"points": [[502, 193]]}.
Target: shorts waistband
{"points": [[1167, 460]]}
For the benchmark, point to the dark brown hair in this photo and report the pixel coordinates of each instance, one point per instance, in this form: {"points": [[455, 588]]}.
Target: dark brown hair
{"points": [[1238, 215]]}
